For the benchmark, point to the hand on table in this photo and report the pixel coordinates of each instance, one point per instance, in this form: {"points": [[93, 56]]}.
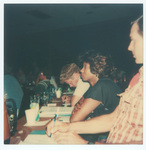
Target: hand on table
{"points": [[59, 126], [66, 99], [68, 138]]}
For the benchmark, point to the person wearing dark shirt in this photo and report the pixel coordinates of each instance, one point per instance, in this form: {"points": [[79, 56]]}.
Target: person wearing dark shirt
{"points": [[105, 91], [101, 98]]}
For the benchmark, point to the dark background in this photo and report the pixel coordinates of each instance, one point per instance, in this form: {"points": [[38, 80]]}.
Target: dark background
{"points": [[28, 40]]}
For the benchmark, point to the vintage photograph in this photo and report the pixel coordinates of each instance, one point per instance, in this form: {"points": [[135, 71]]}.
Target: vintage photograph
{"points": [[73, 74]]}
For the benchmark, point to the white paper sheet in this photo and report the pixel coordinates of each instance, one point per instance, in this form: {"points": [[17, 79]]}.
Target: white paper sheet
{"points": [[47, 111], [37, 140], [64, 119]]}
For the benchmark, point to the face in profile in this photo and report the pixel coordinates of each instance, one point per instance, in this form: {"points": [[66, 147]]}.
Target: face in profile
{"points": [[136, 44], [73, 80], [86, 74]]}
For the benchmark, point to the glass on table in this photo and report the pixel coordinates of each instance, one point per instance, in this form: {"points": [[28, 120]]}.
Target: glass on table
{"points": [[34, 104]]}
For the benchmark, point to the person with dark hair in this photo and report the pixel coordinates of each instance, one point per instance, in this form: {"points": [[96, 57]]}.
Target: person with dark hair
{"points": [[125, 123], [101, 97], [44, 80]]}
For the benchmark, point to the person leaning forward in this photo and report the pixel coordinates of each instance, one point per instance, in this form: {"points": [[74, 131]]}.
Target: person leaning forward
{"points": [[70, 74]]}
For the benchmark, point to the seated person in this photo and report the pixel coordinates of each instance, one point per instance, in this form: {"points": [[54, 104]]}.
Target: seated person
{"points": [[125, 123], [44, 82], [21, 77], [101, 98], [12, 87], [41, 77], [70, 74]]}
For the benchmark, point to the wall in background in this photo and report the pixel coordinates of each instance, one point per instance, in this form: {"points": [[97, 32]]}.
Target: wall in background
{"points": [[58, 47]]}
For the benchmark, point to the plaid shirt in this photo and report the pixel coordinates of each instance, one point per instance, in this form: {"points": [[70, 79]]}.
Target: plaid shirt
{"points": [[129, 123]]}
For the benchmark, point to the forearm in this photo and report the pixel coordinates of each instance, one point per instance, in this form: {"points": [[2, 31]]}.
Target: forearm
{"points": [[84, 108], [76, 117], [95, 125]]}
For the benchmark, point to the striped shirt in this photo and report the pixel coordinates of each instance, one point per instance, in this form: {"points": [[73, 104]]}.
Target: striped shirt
{"points": [[129, 123]]}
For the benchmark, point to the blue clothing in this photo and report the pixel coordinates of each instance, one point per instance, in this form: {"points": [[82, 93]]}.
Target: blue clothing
{"points": [[13, 89]]}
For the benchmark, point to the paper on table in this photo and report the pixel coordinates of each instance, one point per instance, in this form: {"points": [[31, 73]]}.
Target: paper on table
{"points": [[37, 139], [64, 119], [47, 111], [51, 104], [38, 123], [53, 110]]}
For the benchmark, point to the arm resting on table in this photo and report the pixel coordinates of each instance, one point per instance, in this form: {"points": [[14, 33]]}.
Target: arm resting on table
{"points": [[95, 125]]}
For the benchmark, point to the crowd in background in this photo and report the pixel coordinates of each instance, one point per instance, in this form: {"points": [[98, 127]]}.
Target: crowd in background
{"points": [[28, 75]]}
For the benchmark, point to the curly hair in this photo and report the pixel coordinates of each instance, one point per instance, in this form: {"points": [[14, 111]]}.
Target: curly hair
{"points": [[99, 64]]}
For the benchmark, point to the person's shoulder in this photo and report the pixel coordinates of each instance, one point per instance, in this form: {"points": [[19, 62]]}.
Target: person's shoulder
{"points": [[109, 83], [105, 80], [9, 77]]}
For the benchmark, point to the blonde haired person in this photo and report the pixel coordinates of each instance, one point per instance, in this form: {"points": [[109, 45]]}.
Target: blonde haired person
{"points": [[70, 74]]}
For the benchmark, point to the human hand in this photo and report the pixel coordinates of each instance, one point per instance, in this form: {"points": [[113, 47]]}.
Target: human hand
{"points": [[66, 99], [59, 126], [68, 138]]}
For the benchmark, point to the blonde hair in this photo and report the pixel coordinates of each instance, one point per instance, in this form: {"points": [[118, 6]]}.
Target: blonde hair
{"points": [[67, 71]]}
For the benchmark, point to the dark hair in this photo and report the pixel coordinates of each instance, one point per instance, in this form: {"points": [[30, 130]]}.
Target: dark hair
{"points": [[139, 21], [99, 64]]}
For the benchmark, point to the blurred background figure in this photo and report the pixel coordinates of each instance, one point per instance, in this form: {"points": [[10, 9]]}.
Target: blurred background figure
{"points": [[12, 87], [119, 77], [21, 77], [44, 81], [41, 77]]}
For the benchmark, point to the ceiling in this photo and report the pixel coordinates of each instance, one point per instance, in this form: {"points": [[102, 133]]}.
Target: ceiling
{"points": [[21, 19]]}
